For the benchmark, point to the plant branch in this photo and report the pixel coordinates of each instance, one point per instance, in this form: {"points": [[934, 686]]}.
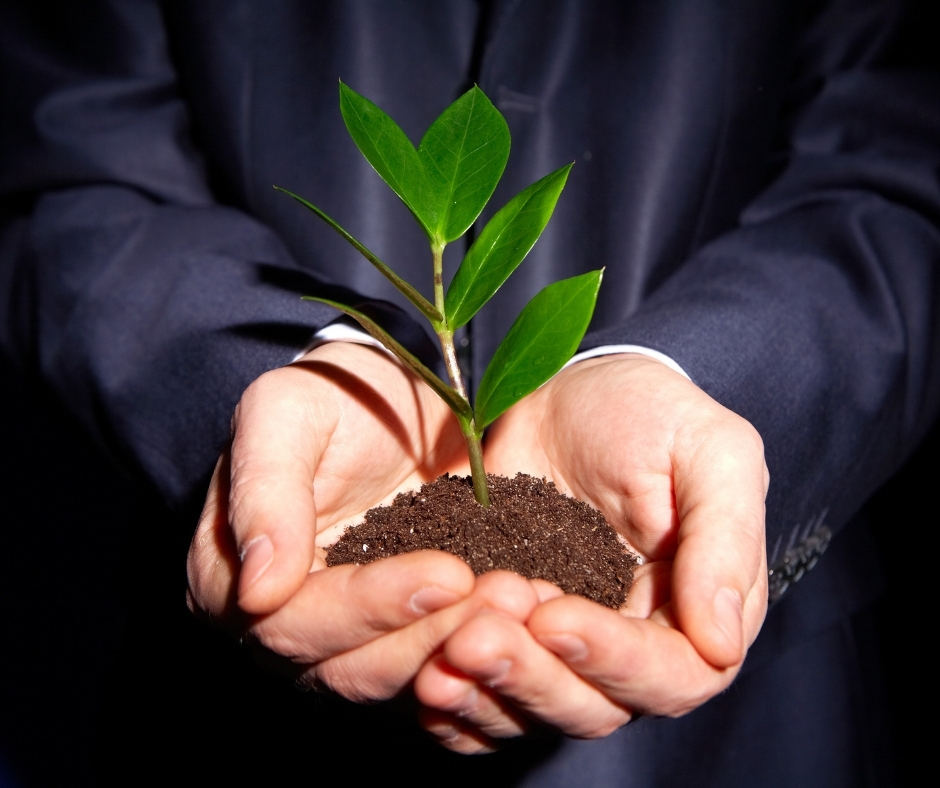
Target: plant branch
{"points": [[457, 403], [467, 426], [477, 472], [420, 302], [437, 250]]}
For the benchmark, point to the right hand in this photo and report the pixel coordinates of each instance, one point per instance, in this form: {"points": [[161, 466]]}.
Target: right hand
{"points": [[314, 446], [683, 479]]}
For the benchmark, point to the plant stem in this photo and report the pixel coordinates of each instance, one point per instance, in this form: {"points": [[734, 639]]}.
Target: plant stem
{"points": [[446, 336], [477, 472], [437, 250]]}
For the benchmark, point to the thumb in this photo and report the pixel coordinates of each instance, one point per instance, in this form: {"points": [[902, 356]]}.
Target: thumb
{"points": [[720, 573], [276, 447]]}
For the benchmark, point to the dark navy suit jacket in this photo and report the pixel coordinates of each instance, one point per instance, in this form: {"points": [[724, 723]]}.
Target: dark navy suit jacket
{"points": [[761, 181]]}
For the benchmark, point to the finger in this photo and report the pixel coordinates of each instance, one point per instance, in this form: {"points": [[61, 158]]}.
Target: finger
{"points": [[451, 728], [380, 668], [501, 655], [452, 734], [651, 589], [642, 664], [545, 590], [344, 607], [719, 572], [271, 504], [212, 563], [455, 695]]}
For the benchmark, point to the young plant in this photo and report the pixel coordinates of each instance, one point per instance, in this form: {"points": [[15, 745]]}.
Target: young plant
{"points": [[445, 183]]}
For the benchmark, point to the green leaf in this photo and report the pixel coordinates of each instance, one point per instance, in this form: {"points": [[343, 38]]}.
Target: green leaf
{"points": [[540, 342], [390, 152], [457, 404], [503, 244], [424, 306], [464, 153]]}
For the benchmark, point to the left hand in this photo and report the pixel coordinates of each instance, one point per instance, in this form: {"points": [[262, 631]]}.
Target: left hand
{"points": [[683, 479], [314, 444]]}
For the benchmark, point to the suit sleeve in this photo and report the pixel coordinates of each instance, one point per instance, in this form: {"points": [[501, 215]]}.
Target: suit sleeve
{"points": [[818, 318], [144, 303]]}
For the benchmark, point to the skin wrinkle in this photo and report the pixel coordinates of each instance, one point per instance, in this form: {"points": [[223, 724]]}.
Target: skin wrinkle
{"points": [[412, 643], [413, 441], [255, 483], [365, 395], [597, 722], [581, 488], [320, 417], [650, 591], [751, 515], [276, 635], [493, 718], [625, 516], [625, 666], [351, 683], [335, 672], [421, 426]]}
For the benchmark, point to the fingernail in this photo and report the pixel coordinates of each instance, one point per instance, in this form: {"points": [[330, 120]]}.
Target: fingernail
{"points": [[430, 598], [728, 613], [494, 673], [569, 647], [256, 557]]}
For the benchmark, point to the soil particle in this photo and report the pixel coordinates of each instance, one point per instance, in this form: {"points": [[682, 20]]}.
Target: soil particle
{"points": [[529, 528]]}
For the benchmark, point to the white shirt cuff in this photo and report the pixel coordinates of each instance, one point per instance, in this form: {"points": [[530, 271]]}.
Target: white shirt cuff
{"points": [[342, 332], [607, 350]]}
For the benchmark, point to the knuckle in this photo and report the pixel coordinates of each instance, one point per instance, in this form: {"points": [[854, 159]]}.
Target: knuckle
{"points": [[252, 486], [506, 592], [749, 441], [205, 586], [600, 729], [249, 399], [346, 680], [751, 436], [680, 708], [274, 390], [191, 603], [681, 704], [274, 638], [194, 582]]}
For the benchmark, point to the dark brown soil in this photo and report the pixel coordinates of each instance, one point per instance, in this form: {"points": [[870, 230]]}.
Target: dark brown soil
{"points": [[529, 528]]}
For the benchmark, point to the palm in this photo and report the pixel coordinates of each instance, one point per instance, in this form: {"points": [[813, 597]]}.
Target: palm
{"points": [[386, 434], [614, 452]]}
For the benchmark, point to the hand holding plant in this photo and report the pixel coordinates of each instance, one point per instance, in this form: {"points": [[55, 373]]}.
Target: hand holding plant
{"points": [[375, 622]]}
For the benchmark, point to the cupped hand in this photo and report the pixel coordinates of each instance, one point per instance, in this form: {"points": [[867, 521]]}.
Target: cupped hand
{"points": [[315, 445], [683, 480]]}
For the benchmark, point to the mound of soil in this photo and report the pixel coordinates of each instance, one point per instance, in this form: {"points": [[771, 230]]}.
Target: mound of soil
{"points": [[529, 528]]}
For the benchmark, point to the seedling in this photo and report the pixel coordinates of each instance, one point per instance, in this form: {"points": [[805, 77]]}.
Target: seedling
{"points": [[445, 183]]}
